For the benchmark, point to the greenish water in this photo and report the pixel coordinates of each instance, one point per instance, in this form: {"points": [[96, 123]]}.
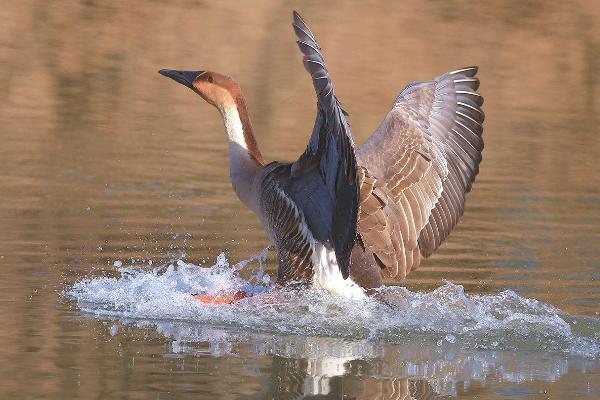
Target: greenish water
{"points": [[104, 161]]}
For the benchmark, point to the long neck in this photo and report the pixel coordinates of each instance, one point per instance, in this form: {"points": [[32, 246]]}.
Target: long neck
{"points": [[245, 159]]}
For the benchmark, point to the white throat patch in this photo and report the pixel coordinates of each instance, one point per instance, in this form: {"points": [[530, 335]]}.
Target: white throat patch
{"points": [[233, 126]]}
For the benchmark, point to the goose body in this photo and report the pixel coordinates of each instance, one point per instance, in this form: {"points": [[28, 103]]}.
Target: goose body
{"points": [[345, 219]]}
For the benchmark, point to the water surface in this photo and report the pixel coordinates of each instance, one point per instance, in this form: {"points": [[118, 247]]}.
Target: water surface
{"points": [[104, 160]]}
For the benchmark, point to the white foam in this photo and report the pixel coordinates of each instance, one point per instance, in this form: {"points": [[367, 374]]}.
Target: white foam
{"points": [[500, 322]]}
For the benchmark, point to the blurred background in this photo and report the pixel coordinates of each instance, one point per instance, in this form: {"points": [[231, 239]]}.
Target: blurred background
{"points": [[102, 159]]}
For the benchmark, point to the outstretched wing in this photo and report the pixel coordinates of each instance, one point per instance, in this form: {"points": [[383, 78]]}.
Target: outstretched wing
{"points": [[416, 168], [322, 182]]}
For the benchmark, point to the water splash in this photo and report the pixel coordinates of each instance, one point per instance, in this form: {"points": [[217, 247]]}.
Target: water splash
{"points": [[444, 318]]}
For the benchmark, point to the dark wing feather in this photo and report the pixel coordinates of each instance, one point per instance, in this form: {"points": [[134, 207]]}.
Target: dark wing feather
{"points": [[417, 167], [325, 175], [286, 225]]}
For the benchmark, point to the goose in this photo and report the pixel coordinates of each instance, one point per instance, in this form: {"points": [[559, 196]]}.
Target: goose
{"points": [[344, 218]]}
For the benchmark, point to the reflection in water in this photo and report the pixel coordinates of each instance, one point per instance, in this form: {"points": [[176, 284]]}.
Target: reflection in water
{"points": [[427, 347], [305, 365]]}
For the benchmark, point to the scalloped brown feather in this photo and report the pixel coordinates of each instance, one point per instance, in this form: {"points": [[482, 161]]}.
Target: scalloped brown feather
{"points": [[416, 168]]}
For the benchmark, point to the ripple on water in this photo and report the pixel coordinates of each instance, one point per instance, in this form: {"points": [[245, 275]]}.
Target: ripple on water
{"points": [[445, 316]]}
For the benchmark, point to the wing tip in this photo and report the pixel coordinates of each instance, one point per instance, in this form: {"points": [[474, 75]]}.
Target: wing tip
{"points": [[299, 23], [469, 71]]}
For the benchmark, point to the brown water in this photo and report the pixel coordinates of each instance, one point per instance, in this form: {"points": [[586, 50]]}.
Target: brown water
{"points": [[103, 160]]}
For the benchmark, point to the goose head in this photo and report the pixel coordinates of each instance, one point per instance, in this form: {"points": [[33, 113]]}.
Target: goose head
{"points": [[226, 95], [217, 89]]}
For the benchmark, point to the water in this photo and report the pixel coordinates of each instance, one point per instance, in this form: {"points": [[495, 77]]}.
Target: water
{"points": [[111, 173], [505, 321], [442, 340]]}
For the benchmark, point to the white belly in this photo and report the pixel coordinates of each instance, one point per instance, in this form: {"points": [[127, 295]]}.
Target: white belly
{"points": [[327, 275]]}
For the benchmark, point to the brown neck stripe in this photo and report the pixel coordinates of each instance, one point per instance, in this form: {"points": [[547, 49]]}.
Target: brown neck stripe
{"points": [[253, 151]]}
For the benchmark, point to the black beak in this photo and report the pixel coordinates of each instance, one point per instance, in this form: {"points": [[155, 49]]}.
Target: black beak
{"points": [[184, 77]]}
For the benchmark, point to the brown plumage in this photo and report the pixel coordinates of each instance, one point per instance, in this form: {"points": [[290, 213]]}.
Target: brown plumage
{"points": [[370, 214], [416, 169]]}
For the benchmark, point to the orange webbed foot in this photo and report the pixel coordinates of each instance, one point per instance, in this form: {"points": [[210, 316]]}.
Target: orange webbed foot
{"points": [[225, 298]]}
